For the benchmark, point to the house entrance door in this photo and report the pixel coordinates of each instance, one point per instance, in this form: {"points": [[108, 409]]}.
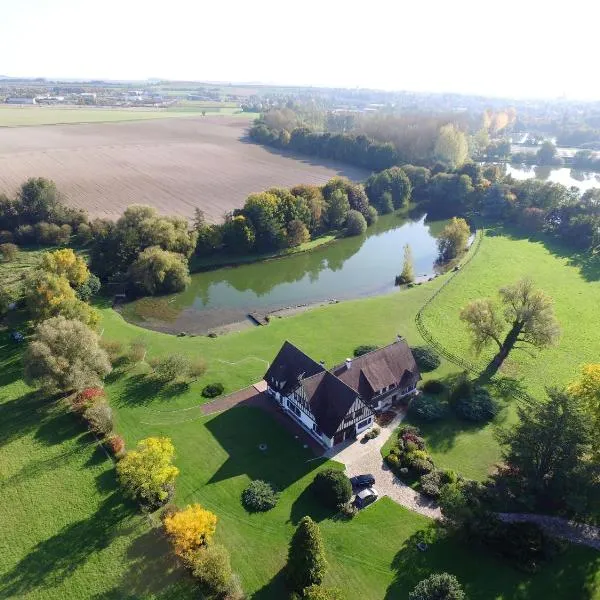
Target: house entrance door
{"points": [[338, 437]]}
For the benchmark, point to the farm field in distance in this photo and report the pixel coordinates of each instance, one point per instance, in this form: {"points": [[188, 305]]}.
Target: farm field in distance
{"points": [[175, 165], [19, 116]]}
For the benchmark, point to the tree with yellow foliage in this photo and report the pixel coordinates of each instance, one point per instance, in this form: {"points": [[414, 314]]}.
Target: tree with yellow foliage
{"points": [[587, 388], [147, 473], [65, 263], [190, 529], [49, 295]]}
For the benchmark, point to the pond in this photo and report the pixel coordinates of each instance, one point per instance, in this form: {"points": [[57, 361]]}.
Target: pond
{"points": [[584, 180], [347, 268]]}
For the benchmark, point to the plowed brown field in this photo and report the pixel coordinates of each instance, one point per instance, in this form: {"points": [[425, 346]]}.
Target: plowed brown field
{"points": [[172, 164]]}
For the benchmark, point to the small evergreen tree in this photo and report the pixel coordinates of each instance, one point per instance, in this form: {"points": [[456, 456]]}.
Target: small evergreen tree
{"points": [[306, 558]]}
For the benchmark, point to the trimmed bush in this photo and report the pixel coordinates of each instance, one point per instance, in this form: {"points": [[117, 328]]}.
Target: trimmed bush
{"points": [[438, 586], [197, 368], [372, 433], [432, 483], [8, 251], [348, 510], [212, 390], [332, 487], [364, 349], [99, 418], [426, 358], [212, 567], [113, 348], [463, 389], [116, 445], [85, 398], [479, 407], [170, 368], [434, 386], [259, 496], [427, 408]]}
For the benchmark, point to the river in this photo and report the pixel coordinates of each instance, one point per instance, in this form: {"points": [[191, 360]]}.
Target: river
{"points": [[348, 268]]}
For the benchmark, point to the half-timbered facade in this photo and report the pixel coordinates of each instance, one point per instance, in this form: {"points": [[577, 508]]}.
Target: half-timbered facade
{"points": [[332, 405]]}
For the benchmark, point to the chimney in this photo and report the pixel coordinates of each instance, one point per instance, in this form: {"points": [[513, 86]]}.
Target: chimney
{"points": [[348, 363], [399, 338]]}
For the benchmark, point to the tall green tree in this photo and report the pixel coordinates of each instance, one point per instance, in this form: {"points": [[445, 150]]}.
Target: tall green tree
{"points": [[306, 564], [453, 239], [156, 271], [527, 311], [451, 146], [548, 455], [438, 586], [337, 209]]}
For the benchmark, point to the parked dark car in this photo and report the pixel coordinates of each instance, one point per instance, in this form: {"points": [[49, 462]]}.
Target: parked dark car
{"points": [[361, 481], [365, 497]]}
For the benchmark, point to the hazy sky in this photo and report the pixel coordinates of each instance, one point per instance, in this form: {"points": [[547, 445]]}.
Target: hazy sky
{"points": [[514, 47]]}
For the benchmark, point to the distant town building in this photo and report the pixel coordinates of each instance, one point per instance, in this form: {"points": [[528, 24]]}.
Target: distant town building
{"points": [[20, 101]]}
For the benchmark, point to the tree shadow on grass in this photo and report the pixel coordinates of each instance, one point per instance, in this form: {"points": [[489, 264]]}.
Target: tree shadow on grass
{"points": [[307, 504], [59, 427], [58, 557], [11, 367], [484, 576], [141, 389], [276, 589], [587, 262], [22, 415], [241, 430]]}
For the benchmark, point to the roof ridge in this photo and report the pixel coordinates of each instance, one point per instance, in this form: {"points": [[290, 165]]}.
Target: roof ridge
{"points": [[357, 358], [302, 352]]}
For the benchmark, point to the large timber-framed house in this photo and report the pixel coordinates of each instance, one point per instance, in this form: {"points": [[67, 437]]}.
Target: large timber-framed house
{"points": [[338, 404]]}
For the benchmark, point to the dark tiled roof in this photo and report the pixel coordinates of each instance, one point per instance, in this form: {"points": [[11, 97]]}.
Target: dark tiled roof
{"points": [[329, 399], [290, 365], [379, 369]]}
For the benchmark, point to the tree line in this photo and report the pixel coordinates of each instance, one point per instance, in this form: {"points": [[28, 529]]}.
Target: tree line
{"points": [[148, 253], [374, 143]]}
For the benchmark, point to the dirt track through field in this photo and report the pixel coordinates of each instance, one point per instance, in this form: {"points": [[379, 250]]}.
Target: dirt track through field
{"points": [[172, 164]]}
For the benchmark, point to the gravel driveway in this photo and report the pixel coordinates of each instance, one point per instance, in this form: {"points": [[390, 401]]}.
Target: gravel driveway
{"points": [[366, 457]]}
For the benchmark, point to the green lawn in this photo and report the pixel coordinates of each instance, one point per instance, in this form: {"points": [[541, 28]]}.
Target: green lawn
{"points": [[63, 489], [66, 532], [12, 116]]}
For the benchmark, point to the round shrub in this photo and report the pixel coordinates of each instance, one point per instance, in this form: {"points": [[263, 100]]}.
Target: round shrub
{"points": [[427, 408], [259, 496], [479, 407], [364, 349], [438, 586], [212, 390], [332, 487], [356, 224], [372, 215], [434, 386], [431, 484], [116, 445], [426, 358], [99, 418]]}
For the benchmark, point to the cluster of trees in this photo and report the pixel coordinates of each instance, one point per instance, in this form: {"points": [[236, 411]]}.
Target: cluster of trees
{"points": [[148, 250], [376, 143], [61, 285], [37, 215], [284, 218]]}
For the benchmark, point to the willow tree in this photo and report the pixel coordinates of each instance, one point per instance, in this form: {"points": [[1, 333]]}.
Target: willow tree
{"points": [[524, 319]]}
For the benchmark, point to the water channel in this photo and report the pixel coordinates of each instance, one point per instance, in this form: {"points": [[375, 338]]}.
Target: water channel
{"points": [[348, 268]]}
